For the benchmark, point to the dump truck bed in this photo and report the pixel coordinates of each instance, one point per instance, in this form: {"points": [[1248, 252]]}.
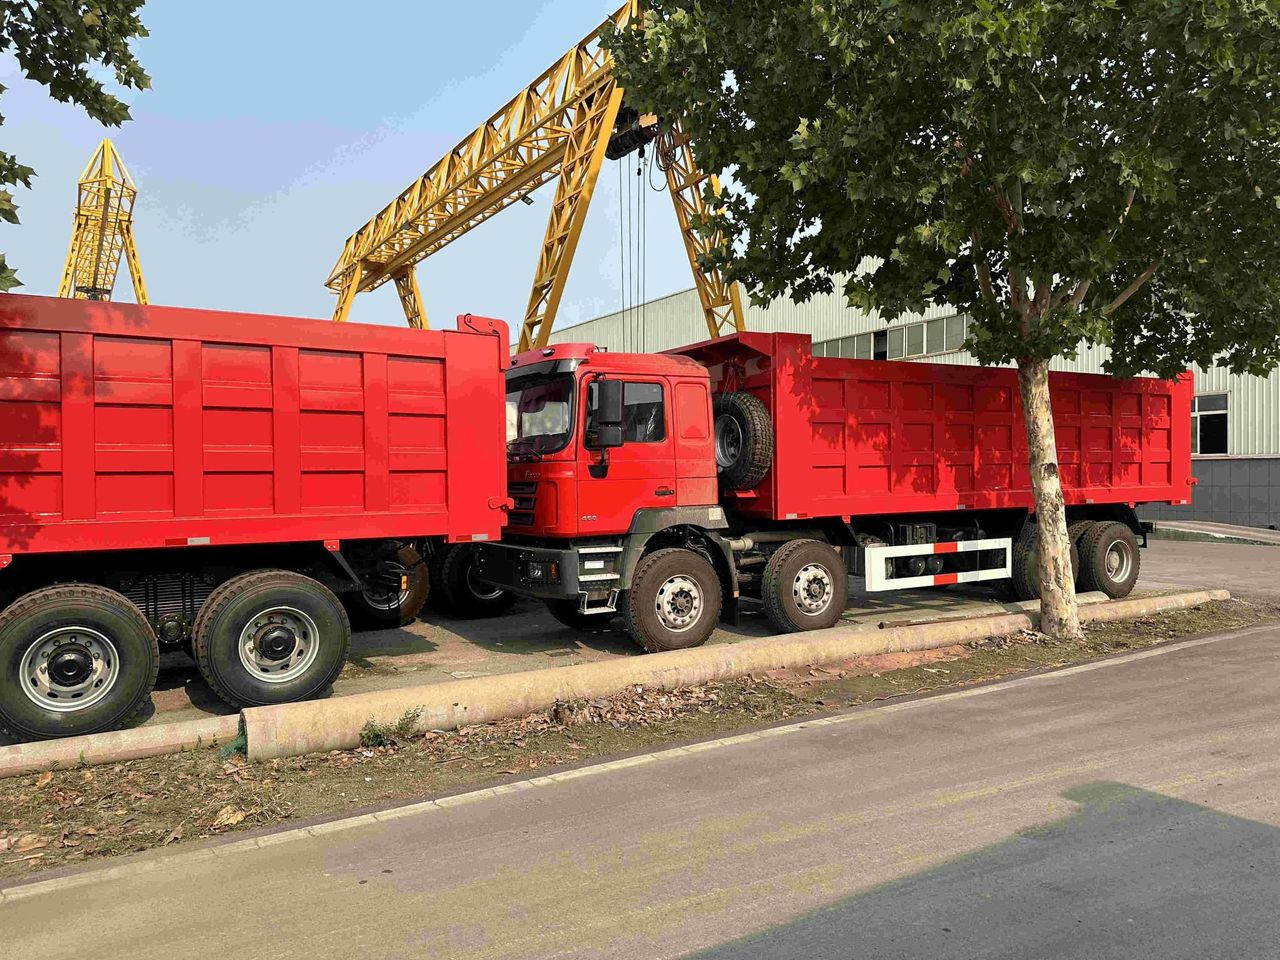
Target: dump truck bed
{"points": [[866, 437], [128, 427]]}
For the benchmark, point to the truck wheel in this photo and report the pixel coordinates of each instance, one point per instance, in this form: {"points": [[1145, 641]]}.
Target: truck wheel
{"points": [[1026, 564], [1109, 559], [674, 600], [744, 440], [806, 586], [382, 602], [74, 659], [271, 636], [464, 594], [566, 611]]}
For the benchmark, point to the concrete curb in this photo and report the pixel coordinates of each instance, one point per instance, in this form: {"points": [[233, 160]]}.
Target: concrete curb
{"points": [[289, 730], [116, 745]]}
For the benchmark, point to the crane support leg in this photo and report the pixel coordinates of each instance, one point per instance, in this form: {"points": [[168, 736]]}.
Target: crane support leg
{"points": [[721, 301], [592, 125], [135, 268], [411, 298], [347, 293]]}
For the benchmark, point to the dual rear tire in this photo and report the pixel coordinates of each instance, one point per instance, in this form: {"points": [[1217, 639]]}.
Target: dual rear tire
{"points": [[1104, 557]]}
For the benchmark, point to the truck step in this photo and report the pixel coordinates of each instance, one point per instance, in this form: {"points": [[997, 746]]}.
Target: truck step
{"points": [[599, 549], [596, 577]]}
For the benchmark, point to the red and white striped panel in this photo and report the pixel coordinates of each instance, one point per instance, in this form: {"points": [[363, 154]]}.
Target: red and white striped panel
{"points": [[877, 566]]}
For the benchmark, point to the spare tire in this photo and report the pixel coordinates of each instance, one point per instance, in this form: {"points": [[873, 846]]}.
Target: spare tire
{"points": [[744, 440]]}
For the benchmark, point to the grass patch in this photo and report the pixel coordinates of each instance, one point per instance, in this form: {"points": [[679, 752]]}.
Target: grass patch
{"points": [[67, 817]]}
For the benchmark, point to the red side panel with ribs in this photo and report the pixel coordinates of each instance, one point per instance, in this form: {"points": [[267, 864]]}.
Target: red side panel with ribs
{"points": [[866, 437], [124, 426]]}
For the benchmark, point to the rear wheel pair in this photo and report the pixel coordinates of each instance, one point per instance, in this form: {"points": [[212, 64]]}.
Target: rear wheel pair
{"points": [[458, 591], [80, 658], [1104, 556]]}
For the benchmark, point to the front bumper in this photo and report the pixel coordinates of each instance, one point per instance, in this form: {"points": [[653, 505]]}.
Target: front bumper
{"points": [[541, 572]]}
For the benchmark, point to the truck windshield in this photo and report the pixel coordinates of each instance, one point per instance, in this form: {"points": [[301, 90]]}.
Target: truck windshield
{"points": [[539, 413]]}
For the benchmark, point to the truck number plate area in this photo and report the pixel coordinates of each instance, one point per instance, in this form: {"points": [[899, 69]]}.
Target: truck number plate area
{"points": [[937, 564]]}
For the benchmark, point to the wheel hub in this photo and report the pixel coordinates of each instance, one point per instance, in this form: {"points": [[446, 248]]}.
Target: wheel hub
{"points": [[279, 644], [728, 440], [276, 643], [69, 669], [70, 665], [679, 603], [1118, 561], [812, 589]]}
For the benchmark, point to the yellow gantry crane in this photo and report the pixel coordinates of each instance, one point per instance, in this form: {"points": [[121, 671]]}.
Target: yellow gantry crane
{"points": [[103, 231], [562, 127]]}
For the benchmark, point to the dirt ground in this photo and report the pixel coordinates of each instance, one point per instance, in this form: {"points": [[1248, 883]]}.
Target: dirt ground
{"points": [[68, 817]]}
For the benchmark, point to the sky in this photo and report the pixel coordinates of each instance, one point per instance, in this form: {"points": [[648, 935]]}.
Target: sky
{"points": [[274, 129]]}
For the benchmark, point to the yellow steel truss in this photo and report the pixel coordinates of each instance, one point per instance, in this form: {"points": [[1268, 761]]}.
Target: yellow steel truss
{"points": [[556, 128], [103, 231]]}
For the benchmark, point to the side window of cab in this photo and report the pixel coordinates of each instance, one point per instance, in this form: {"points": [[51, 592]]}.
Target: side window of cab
{"points": [[644, 412]]}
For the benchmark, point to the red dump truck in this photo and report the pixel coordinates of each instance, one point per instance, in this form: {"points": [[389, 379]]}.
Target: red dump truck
{"points": [[672, 489], [226, 484]]}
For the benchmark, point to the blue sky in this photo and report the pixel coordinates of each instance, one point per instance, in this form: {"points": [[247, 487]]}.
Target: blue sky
{"points": [[274, 129]]}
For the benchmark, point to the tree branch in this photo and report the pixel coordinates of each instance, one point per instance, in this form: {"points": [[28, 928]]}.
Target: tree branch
{"points": [[1133, 288], [983, 268]]}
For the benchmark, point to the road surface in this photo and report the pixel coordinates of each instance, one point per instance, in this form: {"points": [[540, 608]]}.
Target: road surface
{"points": [[1128, 809]]}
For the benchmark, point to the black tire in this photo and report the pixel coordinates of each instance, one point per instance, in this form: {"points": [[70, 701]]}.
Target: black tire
{"points": [[743, 440], [1109, 559], [805, 587], [660, 573], [312, 632], [113, 661], [435, 579], [1075, 534], [463, 594], [1026, 563], [382, 605], [566, 611]]}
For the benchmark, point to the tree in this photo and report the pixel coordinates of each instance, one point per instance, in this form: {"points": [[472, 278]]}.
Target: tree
{"points": [[1105, 172], [57, 43]]}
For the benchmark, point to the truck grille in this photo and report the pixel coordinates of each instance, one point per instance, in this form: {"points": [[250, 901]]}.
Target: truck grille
{"points": [[525, 497]]}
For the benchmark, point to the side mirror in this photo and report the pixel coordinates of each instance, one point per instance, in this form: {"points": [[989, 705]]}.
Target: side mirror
{"points": [[606, 417], [608, 403], [602, 438]]}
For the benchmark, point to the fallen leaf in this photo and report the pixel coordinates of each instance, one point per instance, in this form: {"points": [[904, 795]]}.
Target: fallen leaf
{"points": [[175, 834], [44, 779], [228, 817], [87, 776], [30, 841]]}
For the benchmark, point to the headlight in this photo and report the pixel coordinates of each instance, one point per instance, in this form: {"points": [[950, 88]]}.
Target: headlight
{"points": [[542, 571]]}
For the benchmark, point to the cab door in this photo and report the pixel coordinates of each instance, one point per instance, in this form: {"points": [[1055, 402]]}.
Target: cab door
{"points": [[640, 474]]}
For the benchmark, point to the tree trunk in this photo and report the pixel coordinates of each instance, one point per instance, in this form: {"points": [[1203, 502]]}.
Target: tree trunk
{"points": [[1059, 616]]}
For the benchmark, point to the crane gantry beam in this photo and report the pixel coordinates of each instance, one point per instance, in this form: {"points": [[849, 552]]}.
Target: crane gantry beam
{"points": [[559, 127], [102, 232]]}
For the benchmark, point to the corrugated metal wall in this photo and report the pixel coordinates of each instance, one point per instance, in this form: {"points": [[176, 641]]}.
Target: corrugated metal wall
{"points": [[1253, 422]]}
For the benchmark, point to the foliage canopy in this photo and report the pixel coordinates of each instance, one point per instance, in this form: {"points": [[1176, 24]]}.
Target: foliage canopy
{"points": [[1106, 170], [59, 43]]}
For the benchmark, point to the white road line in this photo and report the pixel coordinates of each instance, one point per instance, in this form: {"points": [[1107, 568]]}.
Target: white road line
{"points": [[134, 867]]}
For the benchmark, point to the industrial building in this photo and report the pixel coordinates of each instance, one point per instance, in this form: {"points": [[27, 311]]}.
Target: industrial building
{"points": [[1236, 428]]}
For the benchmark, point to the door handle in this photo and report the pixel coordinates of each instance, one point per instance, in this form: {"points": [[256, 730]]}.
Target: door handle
{"points": [[665, 492]]}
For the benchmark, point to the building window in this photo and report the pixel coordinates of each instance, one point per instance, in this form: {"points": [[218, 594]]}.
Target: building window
{"points": [[905, 341], [1209, 424]]}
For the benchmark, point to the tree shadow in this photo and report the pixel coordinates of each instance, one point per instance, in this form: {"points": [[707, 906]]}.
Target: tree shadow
{"points": [[1131, 874]]}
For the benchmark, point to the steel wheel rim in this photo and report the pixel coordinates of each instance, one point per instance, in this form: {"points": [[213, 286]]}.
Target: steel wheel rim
{"points": [[258, 654], [812, 590], [1119, 561], [479, 589], [69, 669], [391, 599], [729, 441], [679, 603]]}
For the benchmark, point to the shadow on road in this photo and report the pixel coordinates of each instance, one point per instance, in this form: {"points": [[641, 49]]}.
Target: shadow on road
{"points": [[1132, 874]]}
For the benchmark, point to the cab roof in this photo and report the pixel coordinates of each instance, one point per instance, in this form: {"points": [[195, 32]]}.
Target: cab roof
{"points": [[602, 361]]}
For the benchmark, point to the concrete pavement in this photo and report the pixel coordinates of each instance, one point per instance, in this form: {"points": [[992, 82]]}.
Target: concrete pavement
{"points": [[1128, 808]]}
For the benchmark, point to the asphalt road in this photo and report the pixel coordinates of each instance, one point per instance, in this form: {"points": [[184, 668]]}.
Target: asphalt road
{"points": [[1246, 570], [1126, 809]]}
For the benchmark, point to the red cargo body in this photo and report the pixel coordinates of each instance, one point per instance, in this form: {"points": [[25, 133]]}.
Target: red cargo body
{"points": [[129, 427], [863, 437]]}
